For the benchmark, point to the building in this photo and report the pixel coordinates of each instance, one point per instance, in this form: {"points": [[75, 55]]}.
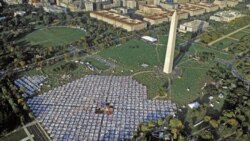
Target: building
{"points": [[226, 3], [169, 6], [53, 9], [232, 3], [151, 9], [226, 16], [131, 4], [180, 1], [119, 10], [88, 6], [156, 2], [111, 4], [169, 58], [12, 2], [156, 19], [181, 14], [118, 20], [221, 3], [192, 10], [153, 14], [209, 7], [193, 26]]}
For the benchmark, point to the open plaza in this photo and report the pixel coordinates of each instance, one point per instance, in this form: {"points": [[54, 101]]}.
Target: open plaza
{"points": [[68, 112]]}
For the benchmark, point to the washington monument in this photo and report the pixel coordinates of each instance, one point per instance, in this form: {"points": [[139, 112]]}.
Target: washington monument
{"points": [[169, 59]]}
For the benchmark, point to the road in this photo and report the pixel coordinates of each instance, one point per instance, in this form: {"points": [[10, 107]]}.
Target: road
{"points": [[226, 36], [34, 130]]}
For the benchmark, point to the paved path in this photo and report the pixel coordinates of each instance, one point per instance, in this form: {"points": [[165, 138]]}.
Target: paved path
{"points": [[29, 136], [226, 36], [141, 73], [35, 132], [233, 38]]}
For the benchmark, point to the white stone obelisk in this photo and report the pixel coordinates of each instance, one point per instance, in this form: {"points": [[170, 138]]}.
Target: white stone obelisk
{"points": [[169, 59]]}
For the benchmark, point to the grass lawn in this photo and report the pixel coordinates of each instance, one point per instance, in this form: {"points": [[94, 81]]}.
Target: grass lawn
{"points": [[134, 53], [193, 77], [163, 39], [239, 35], [223, 44], [248, 28], [16, 136], [152, 81], [54, 36], [218, 54], [99, 65]]}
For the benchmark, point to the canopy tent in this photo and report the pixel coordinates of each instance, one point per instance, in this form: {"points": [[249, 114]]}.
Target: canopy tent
{"points": [[148, 38], [194, 105]]}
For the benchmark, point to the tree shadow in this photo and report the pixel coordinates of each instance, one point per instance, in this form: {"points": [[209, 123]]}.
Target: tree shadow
{"points": [[184, 47]]}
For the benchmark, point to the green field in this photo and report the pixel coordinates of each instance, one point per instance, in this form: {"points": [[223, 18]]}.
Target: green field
{"points": [[195, 48], [240, 34], [134, 53], [54, 36], [225, 43], [193, 77], [153, 82], [193, 74], [99, 65]]}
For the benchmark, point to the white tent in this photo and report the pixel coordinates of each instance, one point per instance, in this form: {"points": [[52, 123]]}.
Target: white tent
{"points": [[194, 105], [148, 38]]}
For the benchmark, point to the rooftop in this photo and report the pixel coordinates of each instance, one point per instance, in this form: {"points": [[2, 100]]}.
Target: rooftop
{"points": [[208, 5], [117, 17], [191, 8], [194, 23]]}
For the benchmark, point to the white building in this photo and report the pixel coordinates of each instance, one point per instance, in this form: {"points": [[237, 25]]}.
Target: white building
{"points": [[222, 3], [20, 13], [193, 26], [194, 105], [131, 4], [53, 9], [89, 6], [226, 16], [232, 3], [12, 2]]}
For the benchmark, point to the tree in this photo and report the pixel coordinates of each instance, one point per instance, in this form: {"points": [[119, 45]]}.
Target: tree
{"points": [[175, 125], [207, 135]]}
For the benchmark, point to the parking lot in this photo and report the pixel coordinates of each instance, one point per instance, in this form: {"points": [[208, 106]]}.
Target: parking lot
{"points": [[68, 112]]}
